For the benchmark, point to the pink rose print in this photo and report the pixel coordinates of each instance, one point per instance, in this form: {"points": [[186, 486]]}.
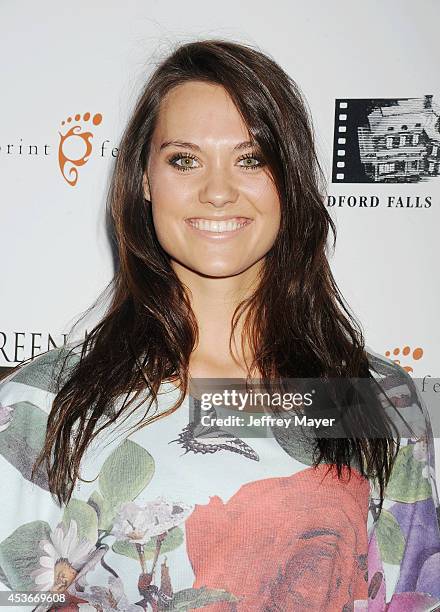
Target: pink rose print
{"points": [[288, 543]]}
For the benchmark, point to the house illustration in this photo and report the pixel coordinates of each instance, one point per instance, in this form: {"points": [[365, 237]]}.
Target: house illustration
{"points": [[402, 141]]}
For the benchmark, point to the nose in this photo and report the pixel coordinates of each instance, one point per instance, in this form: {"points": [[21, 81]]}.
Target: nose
{"points": [[218, 189]]}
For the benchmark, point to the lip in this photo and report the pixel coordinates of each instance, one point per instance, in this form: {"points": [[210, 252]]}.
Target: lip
{"points": [[219, 235], [239, 217]]}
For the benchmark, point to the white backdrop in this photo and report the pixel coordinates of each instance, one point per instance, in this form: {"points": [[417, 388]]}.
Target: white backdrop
{"points": [[90, 59]]}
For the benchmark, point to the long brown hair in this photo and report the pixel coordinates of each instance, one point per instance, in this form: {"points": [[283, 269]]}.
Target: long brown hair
{"points": [[296, 321]]}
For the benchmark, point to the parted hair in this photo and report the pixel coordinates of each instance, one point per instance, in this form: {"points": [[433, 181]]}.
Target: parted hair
{"points": [[296, 321]]}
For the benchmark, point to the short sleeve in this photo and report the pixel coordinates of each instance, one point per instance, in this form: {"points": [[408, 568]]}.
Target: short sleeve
{"points": [[404, 539]]}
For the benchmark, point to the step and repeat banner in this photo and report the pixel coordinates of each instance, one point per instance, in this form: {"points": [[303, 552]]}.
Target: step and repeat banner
{"points": [[70, 75]]}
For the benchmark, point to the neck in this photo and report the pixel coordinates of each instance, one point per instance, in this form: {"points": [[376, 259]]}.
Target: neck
{"points": [[213, 301]]}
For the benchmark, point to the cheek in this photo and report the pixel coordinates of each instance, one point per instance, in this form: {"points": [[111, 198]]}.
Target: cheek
{"points": [[172, 199], [268, 205], [169, 198], [168, 212], [165, 188], [271, 222], [163, 220], [263, 194]]}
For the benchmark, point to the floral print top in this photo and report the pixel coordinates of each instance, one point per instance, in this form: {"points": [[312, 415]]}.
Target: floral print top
{"points": [[174, 518]]}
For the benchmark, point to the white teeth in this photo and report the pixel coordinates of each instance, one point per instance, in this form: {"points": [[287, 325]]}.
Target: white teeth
{"points": [[216, 226]]}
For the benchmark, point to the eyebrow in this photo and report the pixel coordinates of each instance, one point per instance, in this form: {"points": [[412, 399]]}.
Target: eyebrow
{"points": [[190, 145]]}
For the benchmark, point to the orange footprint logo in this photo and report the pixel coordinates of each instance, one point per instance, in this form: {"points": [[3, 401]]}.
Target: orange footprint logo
{"points": [[415, 354], [75, 146]]}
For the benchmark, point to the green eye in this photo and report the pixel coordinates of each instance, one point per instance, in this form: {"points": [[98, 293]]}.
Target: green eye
{"points": [[251, 157], [185, 157], [252, 161], [185, 160]]}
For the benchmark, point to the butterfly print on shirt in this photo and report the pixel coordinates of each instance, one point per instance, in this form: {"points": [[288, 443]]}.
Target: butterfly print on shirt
{"points": [[204, 439]]}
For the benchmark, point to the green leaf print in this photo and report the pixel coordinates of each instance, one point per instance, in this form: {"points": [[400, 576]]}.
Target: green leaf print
{"points": [[23, 439], [20, 553], [125, 473], [390, 538], [172, 540], [190, 599], [104, 510], [407, 483], [42, 371], [85, 517], [123, 547], [96, 501], [4, 579]]}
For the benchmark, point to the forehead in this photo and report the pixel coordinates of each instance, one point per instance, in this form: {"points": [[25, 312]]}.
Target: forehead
{"points": [[198, 110]]}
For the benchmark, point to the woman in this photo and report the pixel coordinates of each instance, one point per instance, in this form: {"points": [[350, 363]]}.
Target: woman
{"points": [[221, 234]]}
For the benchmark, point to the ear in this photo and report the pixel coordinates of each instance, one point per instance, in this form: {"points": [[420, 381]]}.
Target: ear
{"points": [[146, 186]]}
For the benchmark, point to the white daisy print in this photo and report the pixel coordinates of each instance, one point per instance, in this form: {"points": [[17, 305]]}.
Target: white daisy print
{"points": [[65, 556]]}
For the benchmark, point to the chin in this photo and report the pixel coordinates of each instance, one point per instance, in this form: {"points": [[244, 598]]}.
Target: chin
{"points": [[213, 269], [219, 272]]}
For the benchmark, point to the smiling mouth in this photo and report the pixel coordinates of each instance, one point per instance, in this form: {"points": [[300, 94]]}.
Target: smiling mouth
{"points": [[219, 227]]}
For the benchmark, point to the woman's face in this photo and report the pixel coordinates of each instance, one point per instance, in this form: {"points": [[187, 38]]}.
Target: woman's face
{"points": [[215, 208]]}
